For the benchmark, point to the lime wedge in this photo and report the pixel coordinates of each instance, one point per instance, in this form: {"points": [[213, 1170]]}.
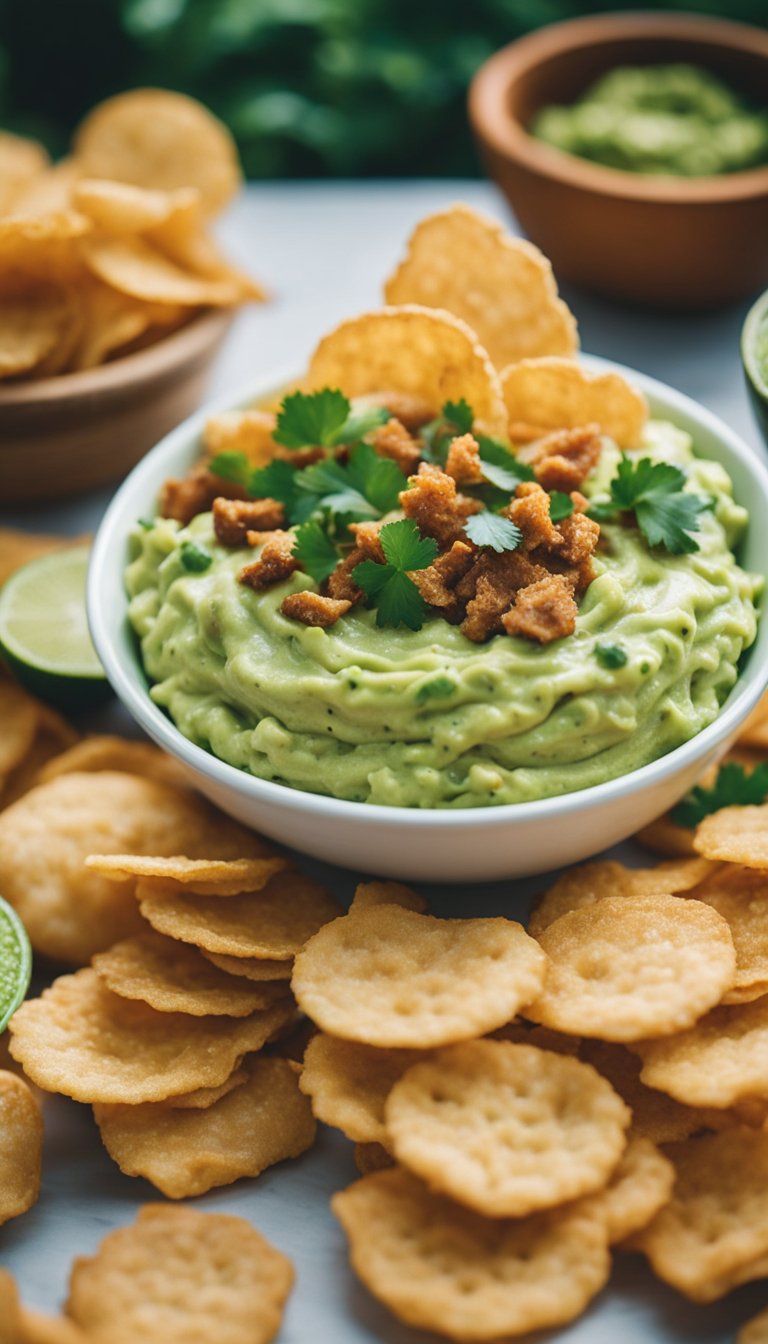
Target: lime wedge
{"points": [[15, 963], [754, 357], [44, 631]]}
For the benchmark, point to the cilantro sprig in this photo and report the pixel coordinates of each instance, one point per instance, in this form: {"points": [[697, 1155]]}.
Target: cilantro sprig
{"points": [[666, 514], [324, 419], [490, 529], [733, 787], [394, 594]]}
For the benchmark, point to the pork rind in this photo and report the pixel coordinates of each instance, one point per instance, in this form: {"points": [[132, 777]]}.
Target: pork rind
{"points": [[590, 882], [251, 968], [390, 977], [555, 393], [506, 1129], [273, 923], [636, 966], [104, 752], [655, 1115], [441, 1267], [82, 1040], [638, 1188], [432, 356], [21, 1147], [349, 1084], [503, 287], [720, 1061], [378, 892], [206, 877], [177, 1276], [735, 835], [173, 977], [71, 913], [186, 1152], [713, 1234]]}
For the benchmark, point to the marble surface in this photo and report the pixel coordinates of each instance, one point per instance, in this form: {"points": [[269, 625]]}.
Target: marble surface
{"points": [[323, 250]]}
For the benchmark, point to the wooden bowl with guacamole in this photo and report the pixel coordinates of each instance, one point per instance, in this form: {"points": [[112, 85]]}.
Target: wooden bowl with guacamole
{"points": [[679, 220]]}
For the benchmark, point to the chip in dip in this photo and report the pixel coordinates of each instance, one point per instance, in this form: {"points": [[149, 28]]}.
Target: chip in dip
{"points": [[440, 585]]}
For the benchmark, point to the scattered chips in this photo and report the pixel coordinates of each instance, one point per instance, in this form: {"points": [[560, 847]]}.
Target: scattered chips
{"points": [[206, 877], [639, 1187], [719, 1062], [203, 1097], [735, 835], [115, 753], [553, 393], [502, 287], [21, 1148], [349, 1084], [177, 1276], [252, 968], [387, 893], [590, 882], [740, 896], [386, 976], [21, 161], [655, 1115]]}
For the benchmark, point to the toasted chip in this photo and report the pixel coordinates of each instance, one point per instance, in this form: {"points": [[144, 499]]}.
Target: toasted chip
{"points": [[203, 1097], [372, 1157], [175, 978], [274, 922], [40, 248], [349, 1084], [638, 1188], [112, 320], [655, 1115], [183, 240], [710, 1235], [21, 162], [160, 140], [506, 1129], [590, 882], [187, 1152], [503, 287], [441, 1267], [135, 267], [177, 1276], [558, 393], [81, 1039], [206, 877], [30, 329], [740, 895], [71, 913], [387, 893], [251, 968], [121, 207], [50, 192], [635, 966], [754, 1331], [416, 351], [103, 752], [720, 1061], [735, 835], [390, 977], [21, 1147], [249, 432]]}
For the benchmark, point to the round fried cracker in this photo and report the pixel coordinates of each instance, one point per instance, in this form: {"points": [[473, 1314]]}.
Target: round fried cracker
{"points": [[121, 207], [390, 977], [740, 895], [555, 393], [177, 1276], [590, 882], [105, 752], [735, 835], [349, 1084], [21, 1147], [630, 967], [203, 1097], [251, 968], [21, 162], [506, 1129], [32, 325], [638, 1188], [135, 267], [19, 720], [441, 1267], [419, 352], [503, 287], [82, 1040], [174, 978], [718, 1062], [655, 1115], [387, 893], [71, 913], [186, 1152], [274, 922], [206, 877], [39, 1329]]}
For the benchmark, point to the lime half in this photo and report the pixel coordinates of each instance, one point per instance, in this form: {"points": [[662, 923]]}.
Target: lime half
{"points": [[44, 631], [754, 357], [15, 963]]}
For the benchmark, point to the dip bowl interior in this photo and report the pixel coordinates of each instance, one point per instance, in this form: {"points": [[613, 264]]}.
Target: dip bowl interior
{"points": [[451, 845]]}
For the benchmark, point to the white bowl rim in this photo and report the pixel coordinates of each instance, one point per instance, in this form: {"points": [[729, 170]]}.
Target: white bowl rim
{"points": [[742, 699]]}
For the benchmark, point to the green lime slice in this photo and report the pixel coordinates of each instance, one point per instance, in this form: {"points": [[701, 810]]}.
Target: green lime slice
{"points": [[754, 357], [15, 963], [44, 631]]}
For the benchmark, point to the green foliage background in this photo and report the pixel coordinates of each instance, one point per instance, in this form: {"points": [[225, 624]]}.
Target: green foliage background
{"points": [[309, 87]]}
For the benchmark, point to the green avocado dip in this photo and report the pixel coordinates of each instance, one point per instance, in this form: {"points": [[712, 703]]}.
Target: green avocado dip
{"points": [[677, 120], [425, 717]]}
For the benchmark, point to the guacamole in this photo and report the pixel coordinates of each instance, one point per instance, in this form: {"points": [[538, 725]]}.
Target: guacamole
{"points": [[428, 718], [678, 120]]}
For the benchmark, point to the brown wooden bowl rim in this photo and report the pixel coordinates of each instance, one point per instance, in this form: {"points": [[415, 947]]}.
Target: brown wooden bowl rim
{"points": [[165, 355], [502, 132]]}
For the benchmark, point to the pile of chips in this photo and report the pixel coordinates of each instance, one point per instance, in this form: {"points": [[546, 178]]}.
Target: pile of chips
{"points": [[109, 250], [175, 1276]]}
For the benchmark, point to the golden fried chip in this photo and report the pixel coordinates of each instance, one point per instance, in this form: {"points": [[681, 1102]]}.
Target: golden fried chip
{"points": [[71, 913], [558, 393], [387, 893], [82, 1040], [754, 1331], [735, 835], [251, 968], [162, 140], [177, 1276], [740, 895], [274, 922], [53, 733], [21, 162], [349, 1084], [175, 978], [10, 1312], [506, 1129], [655, 1115], [503, 287], [416, 351], [183, 241], [51, 191], [710, 1235], [590, 882], [21, 1147], [390, 977], [121, 207], [30, 328], [135, 267], [19, 720], [206, 877], [104, 752], [112, 320], [638, 1188], [39, 1329], [203, 1097], [634, 966], [720, 1061], [41, 248], [186, 1152], [372, 1157], [249, 432], [441, 1267]]}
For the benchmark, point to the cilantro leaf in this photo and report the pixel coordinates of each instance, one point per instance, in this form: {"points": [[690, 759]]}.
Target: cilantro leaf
{"points": [[653, 491], [733, 787], [560, 506], [500, 467], [365, 487], [315, 551], [378, 479], [400, 603], [311, 419], [276, 481], [194, 558], [359, 423], [456, 417], [459, 415], [398, 600], [231, 467], [404, 546], [610, 655], [490, 529]]}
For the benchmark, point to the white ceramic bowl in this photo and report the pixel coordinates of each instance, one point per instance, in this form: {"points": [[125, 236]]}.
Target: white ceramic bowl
{"points": [[472, 844]]}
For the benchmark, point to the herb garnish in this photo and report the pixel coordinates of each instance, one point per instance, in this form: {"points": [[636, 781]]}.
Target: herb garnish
{"points": [[490, 529], [324, 419], [734, 787], [194, 558], [653, 491], [315, 551], [394, 594], [610, 655], [560, 506]]}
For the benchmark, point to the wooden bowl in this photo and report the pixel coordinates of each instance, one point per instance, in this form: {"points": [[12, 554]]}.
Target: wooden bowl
{"points": [[685, 243], [60, 436]]}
